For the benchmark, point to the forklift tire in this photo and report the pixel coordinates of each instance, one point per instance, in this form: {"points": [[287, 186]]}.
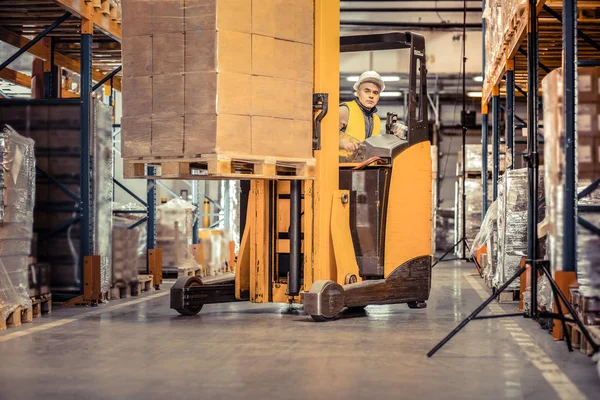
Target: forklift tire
{"points": [[417, 304], [187, 282]]}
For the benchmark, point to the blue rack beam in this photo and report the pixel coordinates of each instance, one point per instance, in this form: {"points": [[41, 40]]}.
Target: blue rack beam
{"points": [[570, 77], [86, 226], [510, 117], [532, 118], [495, 144], [151, 216], [484, 129]]}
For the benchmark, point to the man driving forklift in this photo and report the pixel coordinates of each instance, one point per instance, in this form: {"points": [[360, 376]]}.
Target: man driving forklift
{"points": [[358, 118]]}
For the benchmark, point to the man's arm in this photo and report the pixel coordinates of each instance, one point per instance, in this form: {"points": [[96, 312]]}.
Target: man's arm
{"points": [[344, 116]]}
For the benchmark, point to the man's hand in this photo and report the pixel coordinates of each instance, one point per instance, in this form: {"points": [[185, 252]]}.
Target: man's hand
{"points": [[349, 146], [399, 129]]}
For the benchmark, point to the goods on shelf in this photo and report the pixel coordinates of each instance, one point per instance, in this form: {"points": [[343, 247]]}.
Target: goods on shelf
{"points": [[473, 159], [56, 132], [125, 251], [17, 197], [588, 137], [245, 68], [499, 15], [174, 224], [488, 236]]}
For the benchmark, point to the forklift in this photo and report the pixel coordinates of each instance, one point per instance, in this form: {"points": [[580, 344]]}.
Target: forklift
{"points": [[358, 234]]}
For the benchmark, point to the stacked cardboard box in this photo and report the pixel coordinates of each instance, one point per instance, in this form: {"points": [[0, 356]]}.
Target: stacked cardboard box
{"points": [[588, 165], [124, 251], [217, 76]]}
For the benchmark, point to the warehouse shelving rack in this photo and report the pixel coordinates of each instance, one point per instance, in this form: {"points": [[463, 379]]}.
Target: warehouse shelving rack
{"points": [[82, 36], [540, 27]]}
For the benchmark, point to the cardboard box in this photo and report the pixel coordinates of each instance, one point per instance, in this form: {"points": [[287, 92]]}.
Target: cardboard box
{"points": [[597, 155], [587, 84], [585, 154], [234, 15], [168, 51], [167, 135], [273, 97], [267, 59], [136, 18], [279, 137], [223, 51], [167, 16], [223, 133], [137, 96], [136, 141], [211, 93], [167, 94], [587, 117], [283, 19], [137, 56]]}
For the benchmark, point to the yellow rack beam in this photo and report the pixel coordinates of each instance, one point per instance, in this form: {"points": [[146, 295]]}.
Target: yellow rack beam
{"points": [[102, 20]]}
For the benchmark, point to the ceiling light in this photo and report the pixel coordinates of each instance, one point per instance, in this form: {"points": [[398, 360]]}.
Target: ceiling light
{"points": [[352, 78], [478, 78], [390, 78], [391, 94], [474, 94]]}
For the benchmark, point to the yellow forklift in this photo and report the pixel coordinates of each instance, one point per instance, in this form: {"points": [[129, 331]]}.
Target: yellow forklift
{"points": [[358, 234]]}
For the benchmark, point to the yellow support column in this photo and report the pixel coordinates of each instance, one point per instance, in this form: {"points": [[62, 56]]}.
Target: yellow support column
{"points": [[327, 80]]}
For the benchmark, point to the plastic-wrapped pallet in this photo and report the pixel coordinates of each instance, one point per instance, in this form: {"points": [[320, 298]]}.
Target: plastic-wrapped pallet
{"points": [[174, 234], [124, 251], [488, 236], [512, 225], [17, 196]]}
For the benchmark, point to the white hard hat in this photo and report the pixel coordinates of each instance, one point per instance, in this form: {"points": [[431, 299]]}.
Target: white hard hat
{"points": [[370, 76]]}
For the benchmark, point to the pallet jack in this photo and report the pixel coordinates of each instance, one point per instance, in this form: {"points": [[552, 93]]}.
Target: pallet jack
{"points": [[358, 234]]}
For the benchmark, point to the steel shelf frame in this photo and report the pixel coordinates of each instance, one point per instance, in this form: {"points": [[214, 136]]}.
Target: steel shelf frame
{"points": [[83, 207], [504, 69]]}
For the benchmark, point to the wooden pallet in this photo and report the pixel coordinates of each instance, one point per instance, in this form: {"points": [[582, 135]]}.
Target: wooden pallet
{"points": [[16, 318], [578, 340], [41, 305], [121, 290], [509, 296], [144, 283], [206, 167]]}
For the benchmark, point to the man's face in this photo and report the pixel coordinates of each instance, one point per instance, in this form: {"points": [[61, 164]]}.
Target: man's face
{"points": [[368, 94]]}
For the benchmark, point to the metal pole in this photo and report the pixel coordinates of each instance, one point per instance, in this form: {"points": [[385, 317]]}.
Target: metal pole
{"points": [[570, 96], [86, 225], [151, 202], [295, 237], [510, 118], [484, 129], [36, 39], [464, 133], [107, 77], [495, 144], [532, 144], [196, 211]]}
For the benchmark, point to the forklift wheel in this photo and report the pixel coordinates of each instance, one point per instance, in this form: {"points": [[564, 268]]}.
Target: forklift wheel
{"points": [[321, 318], [417, 304], [187, 282]]}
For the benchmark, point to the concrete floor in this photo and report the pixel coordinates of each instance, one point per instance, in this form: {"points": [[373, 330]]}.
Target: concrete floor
{"points": [[139, 349]]}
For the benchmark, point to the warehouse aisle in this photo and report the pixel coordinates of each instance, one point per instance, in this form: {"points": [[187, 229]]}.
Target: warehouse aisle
{"points": [[139, 349]]}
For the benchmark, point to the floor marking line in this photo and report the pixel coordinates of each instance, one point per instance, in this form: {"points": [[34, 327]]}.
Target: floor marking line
{"points": [[68, 320], [562, 385]]}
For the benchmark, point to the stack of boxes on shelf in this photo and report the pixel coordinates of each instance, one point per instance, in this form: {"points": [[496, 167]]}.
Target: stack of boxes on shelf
{"points": [[500, 16], [244, 67], [56, 132], [17, 194], [125, 244], [586, 298], [174, 231]]}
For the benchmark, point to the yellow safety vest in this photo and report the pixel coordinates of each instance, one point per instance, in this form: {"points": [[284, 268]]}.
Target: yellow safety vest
{"points": [[356, 125]]}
